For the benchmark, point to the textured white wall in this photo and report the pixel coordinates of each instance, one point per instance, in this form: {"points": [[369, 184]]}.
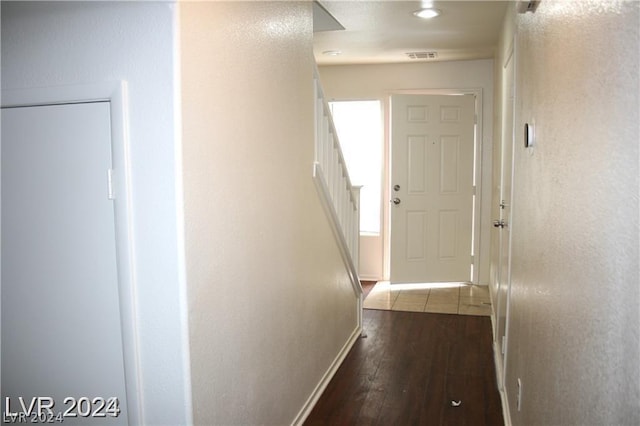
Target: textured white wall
{"points": [[573, 333], [349, 82], [55, 43], [270, 302]]}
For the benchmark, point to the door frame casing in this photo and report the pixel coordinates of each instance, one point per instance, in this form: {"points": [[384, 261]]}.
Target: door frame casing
{"points": [[477, 204], [116, 94]]}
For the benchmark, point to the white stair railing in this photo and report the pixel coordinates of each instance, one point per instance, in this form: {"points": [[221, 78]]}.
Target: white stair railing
{"points": [[340, 198]]}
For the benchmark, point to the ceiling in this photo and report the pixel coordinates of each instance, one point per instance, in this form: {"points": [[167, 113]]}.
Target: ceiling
{"points": [[385, 31]]}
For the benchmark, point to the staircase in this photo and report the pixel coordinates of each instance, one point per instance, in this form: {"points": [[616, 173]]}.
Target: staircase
{"points": [[339, 197]]}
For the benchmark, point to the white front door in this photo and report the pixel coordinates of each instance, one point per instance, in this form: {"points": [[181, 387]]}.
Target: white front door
{"points": [[432, 152], [61, 329]]}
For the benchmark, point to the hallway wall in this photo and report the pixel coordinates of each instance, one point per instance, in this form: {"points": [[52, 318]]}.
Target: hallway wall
{"points": [[573, 335], [270, 301]]}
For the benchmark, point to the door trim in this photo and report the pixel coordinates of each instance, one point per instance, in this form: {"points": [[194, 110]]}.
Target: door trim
{"points": [[477, 177], [116, 94]]}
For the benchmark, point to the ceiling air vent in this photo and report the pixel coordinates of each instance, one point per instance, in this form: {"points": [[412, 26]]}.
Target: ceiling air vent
{"points": [[525, 6], [422, 55]]}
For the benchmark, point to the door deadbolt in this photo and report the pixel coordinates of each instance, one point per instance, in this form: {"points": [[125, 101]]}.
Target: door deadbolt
{"points": [[396, 188]]}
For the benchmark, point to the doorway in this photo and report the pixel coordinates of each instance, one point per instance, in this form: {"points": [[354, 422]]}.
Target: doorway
{"points": [[68, 318], [434, 154], [502, 225]]}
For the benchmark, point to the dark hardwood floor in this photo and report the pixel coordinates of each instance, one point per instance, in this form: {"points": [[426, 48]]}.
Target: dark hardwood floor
{"points": [[409, 370]]}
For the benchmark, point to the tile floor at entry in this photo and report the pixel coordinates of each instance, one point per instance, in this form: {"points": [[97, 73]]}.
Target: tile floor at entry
{"points": [[441, 298]]}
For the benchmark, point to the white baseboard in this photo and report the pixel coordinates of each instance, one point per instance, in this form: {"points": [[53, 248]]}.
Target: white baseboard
{"points": [[497, 353], [326, 378], [369, 278], [506, 414]]}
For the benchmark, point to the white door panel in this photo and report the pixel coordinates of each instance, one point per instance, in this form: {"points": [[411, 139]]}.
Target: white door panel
{"points": [[504, 221], [61, 330], [432, 140]]}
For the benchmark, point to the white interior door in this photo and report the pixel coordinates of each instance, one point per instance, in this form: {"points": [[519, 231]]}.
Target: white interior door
{"points": [[504, 221], [432, 151], [61, 329]]}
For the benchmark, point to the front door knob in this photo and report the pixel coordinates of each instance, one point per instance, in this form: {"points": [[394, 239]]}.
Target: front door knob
{"points": [[499, 223], [396, 201]]}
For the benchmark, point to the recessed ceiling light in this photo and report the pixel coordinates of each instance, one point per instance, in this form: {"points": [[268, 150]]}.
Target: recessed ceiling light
{"points": [[332, 52], [427, 13]]}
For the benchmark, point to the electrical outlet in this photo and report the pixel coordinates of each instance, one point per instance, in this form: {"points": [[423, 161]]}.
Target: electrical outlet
{"points": [[519, 395]]}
